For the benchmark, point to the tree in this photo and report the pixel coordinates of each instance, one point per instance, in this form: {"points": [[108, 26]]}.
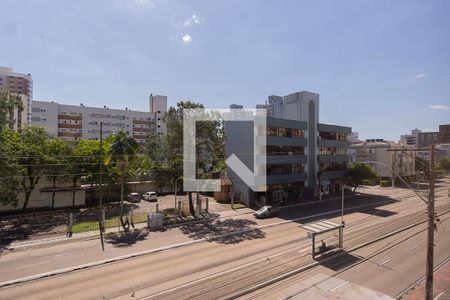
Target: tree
{"points": [[58, 160], [121, 155], [9, 177], [30, 146], [209, 139], [444, 164], [9, 103], [357, 172]]}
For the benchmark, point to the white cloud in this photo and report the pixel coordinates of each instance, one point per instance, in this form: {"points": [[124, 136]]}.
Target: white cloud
{"points": [[143, 3], [439, 107], [194, 20], [421, 75], [186, 39]]}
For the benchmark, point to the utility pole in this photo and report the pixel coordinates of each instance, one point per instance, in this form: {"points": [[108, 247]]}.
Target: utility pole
{"points": [[431, 227], [342, 204], [100, 199]]}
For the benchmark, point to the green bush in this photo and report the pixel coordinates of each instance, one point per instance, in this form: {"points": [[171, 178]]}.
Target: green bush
{"points": [[384, 183], [367, 182]]}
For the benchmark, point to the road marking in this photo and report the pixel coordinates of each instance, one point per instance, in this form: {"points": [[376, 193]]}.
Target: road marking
{"points": [[59, 254], [338, 286], [414, 247], [32, 265], [439, 296], [385, 262]]}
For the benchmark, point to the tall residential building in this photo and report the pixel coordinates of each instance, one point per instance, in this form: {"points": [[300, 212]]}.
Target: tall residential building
{"points": [[444, 134], [300, 157], [410, 139], [379, 150], [72, 122], [158, 106], [427, 138], [21, 85]]}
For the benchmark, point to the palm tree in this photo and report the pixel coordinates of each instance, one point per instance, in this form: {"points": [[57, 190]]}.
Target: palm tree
{"points": [[121, 154]]}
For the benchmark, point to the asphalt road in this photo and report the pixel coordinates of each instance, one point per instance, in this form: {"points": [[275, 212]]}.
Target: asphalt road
{"points": [[383, 270], [204, 270]]}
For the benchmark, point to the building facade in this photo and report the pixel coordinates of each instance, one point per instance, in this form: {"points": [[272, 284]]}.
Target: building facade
{"points": [[74, 122], [158, 106], [444, 134], [301, 156], [20, 85], [379, 150]]}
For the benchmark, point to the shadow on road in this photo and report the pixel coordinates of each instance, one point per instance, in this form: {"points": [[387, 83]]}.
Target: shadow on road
{"points": [[215, 230], [338, 260], [125, 239]]}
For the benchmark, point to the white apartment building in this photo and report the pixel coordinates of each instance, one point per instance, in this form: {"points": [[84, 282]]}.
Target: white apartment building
{"points": [[21, 85], [158, 106], [72, 122], [379, 150]]}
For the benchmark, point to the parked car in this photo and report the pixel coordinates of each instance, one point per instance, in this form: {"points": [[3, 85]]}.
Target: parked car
{"points": [[266, 212], [150, 196], [134, 198]]}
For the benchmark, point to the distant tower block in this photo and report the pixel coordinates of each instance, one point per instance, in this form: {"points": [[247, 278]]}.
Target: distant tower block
{"points": [[158, 106]]}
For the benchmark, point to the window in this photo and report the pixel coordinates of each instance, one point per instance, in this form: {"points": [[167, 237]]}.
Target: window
{"points": [[332, 151], [337, 136], [285, 169], [284, 132], [284, 150], [333, 166]]}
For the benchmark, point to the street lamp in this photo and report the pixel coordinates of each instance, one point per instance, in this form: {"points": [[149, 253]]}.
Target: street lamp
{"points": [[431, 224], [342, 205]]}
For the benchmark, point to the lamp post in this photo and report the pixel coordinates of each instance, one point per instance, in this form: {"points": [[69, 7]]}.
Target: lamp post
{"points": [[342, 204], [431, 223]]}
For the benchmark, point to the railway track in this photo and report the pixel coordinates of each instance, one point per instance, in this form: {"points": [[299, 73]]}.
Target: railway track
{"points": [[223, 284]]}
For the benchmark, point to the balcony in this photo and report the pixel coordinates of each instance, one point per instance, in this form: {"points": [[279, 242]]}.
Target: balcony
{"points": [[282, 141], [143, 122], [333, 174], [281, 159], [333, 143], [70, 134], [285, 178], [141, 129], [62, 125], [68, 117], [333, 158]]}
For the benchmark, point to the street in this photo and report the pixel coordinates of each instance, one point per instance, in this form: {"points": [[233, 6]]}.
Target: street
{"points": [[206, 261]]}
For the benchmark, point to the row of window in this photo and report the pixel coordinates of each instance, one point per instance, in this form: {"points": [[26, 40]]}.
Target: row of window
{"points": [[336, 136], [71, 113], [38, 109], [334, 166], [285, 150], [76, 122], [38, 119], [285, 169], [285, 132], [70, 130], [332, 151]]}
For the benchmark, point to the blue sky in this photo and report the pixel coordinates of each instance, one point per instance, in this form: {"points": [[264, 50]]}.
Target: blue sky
{"points": [[382, 67]]}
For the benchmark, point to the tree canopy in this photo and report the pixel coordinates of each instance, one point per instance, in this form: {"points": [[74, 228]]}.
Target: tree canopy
{"points": [[357, 172]]}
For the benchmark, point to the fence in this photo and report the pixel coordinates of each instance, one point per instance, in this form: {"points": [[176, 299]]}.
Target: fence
{"points": [[58, 222]]}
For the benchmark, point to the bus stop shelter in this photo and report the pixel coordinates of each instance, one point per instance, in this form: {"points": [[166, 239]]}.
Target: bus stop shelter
{"points": [[321, 228]]}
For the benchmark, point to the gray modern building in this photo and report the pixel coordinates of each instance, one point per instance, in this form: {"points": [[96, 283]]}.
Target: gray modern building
{"points": [[301, 156]]}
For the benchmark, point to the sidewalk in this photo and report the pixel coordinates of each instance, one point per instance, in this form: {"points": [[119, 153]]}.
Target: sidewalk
{"points": [[94, 234], [441, 286], [224, 214]]}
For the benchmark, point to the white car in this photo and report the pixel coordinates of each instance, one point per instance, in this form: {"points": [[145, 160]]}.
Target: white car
{"points": [[150, 196]]}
